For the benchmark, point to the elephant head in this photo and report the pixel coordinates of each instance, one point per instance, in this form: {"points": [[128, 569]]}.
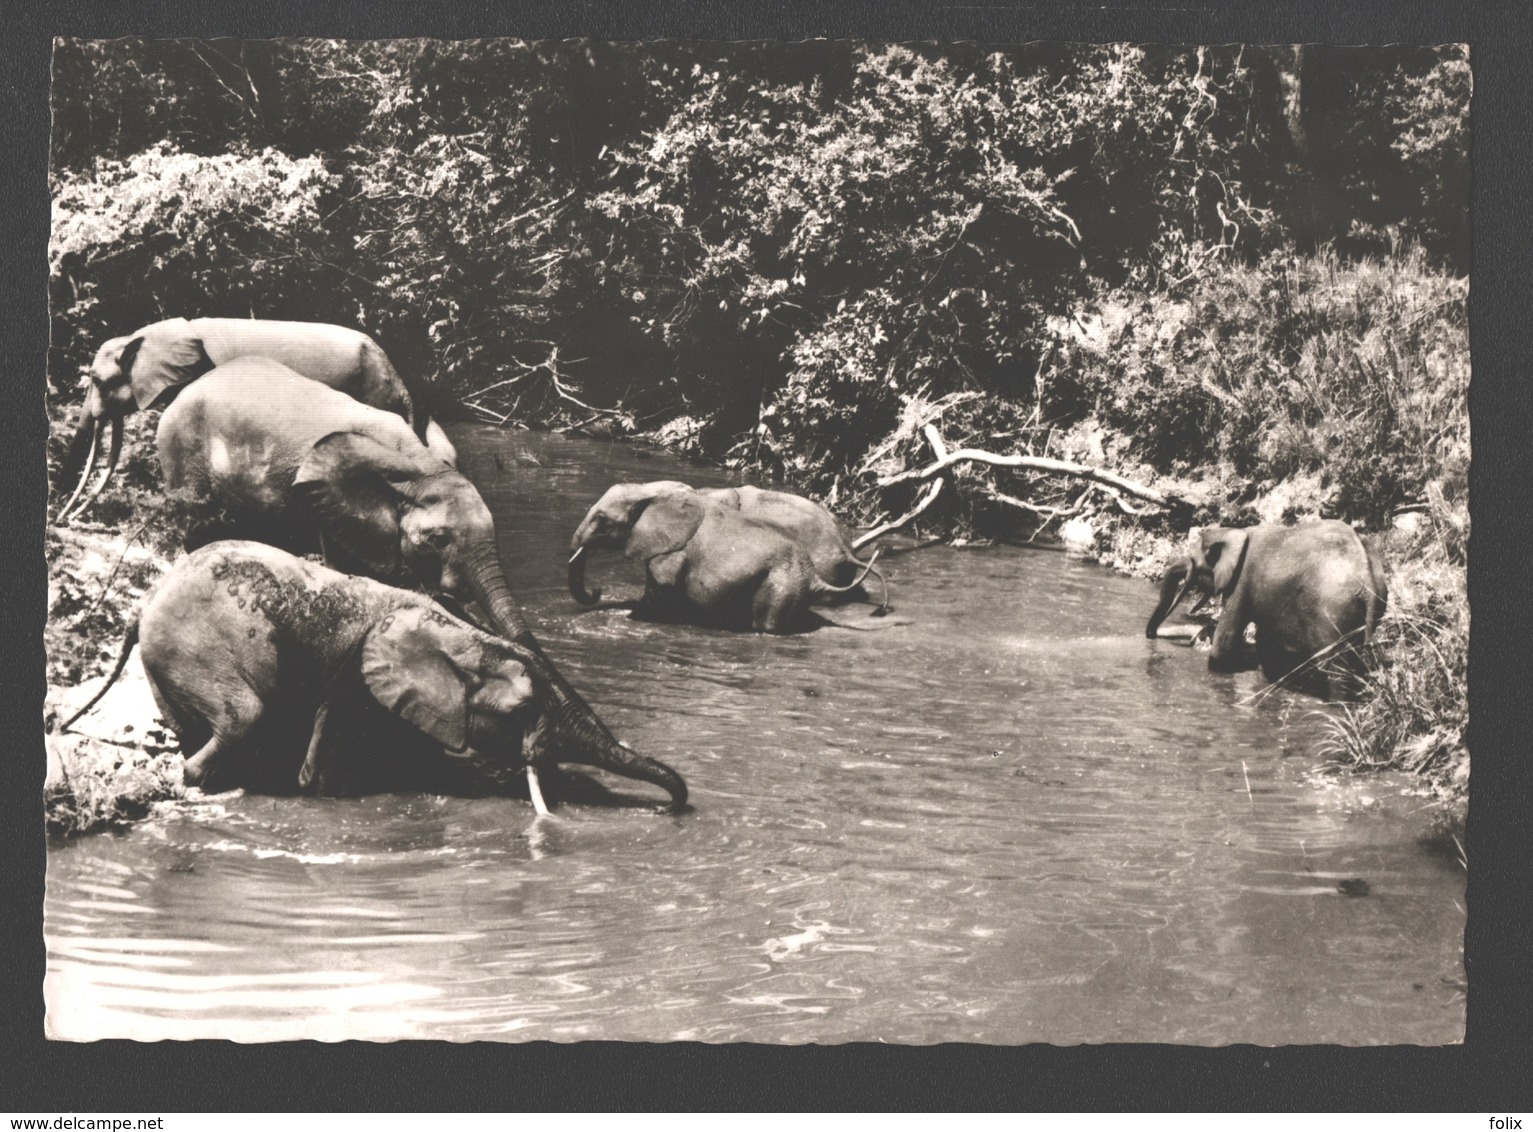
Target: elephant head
{"points": [[388, 514], [487, 698], [464, 690], [625, 518], [1212, 568], [129, 373], [385, 513]]}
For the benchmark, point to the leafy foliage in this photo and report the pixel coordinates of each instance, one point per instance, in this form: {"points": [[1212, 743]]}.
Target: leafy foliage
{"points": [[167, 233], [1352, 375], [1232, 270]]}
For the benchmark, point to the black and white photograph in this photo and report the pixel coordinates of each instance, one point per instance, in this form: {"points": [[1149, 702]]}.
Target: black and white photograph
{"points": [[555, 540]]}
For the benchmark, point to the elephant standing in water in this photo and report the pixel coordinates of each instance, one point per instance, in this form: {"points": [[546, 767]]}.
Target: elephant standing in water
{"points": [[1309, 589], [253, 450], [823, 536], [270, 669], [704, 561], [151, 365]]}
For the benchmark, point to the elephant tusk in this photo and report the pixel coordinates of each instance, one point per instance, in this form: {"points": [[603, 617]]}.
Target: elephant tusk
{"points": [[113, 455], [535, 790], [90, 470], [1203, 603], [1181, 593]]}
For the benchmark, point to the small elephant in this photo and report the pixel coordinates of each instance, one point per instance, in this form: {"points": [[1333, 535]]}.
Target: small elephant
{"points": [[823, 536], [151, 365], [267, 667], [705, 561], [1311, 590], [253, 450]]}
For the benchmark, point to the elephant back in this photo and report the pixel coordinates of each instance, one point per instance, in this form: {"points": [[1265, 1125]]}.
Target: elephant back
{"points": [[335, 356], [812, 527], [263, 405], [232, 444], [226, 606]]}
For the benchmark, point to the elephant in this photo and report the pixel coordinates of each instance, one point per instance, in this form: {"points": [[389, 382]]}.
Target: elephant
{"points": [[151, 365], [704, 561], [823, 536], [252, 450], [1311, 590], [267, 666]]}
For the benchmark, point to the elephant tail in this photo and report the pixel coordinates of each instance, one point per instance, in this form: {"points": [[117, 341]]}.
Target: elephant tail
{"points": [[868, 567], [130, 639]]}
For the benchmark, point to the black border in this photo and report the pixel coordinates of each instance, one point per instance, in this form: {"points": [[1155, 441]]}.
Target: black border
{"points": [[1487, 1074]]}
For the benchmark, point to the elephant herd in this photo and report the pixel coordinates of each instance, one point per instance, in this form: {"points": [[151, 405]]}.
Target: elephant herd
{"points": [[405, 656]]}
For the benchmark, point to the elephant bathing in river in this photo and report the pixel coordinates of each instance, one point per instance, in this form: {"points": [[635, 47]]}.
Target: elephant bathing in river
{"points": [[705, 560], [255, 656], [1311, 590], [150, 366], [822, 536], [253, 450]]}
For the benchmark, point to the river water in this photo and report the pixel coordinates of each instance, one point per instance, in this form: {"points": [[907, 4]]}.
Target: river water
{"points": [[1005, 817]]}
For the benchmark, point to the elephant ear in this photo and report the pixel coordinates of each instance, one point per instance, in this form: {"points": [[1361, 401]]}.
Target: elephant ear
{"points": [[661, 534], [410, 671], [161, 361], [349, 482], [1225, 552]]}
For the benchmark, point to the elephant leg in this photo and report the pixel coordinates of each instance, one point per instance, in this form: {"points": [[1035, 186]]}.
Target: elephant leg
{"points": [[1229, 638], [201, 765], [777, 606], [1344, 676], [243, 712], [203, 522], [311, 774]]}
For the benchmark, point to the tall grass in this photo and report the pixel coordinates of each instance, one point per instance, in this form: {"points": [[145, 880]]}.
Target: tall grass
{"points": [[1414, 709]]}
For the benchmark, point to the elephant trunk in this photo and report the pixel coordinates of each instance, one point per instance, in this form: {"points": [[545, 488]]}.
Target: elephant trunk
{"points": [[1172, 589], [481, 562], [622, 759], [577, 578], [578, 735]]}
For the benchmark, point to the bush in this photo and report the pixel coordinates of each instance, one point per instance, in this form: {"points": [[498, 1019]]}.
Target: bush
{"points": [[167, 234], [1351, 377]]}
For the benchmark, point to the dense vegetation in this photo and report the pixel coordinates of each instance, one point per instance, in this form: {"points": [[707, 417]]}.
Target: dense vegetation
{"points": [[1234, 273]]}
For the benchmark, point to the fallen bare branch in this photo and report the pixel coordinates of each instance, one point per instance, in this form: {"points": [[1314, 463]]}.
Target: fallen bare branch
{"points": [[934, 438], [1030, 463], [895, 524], [1117, 497], [1048, 513], [916, 413]]}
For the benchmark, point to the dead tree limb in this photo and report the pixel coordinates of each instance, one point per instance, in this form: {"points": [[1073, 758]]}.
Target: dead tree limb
{"points": [[934, 438], [1034, 464], [895, 524], [1047, 514]]}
